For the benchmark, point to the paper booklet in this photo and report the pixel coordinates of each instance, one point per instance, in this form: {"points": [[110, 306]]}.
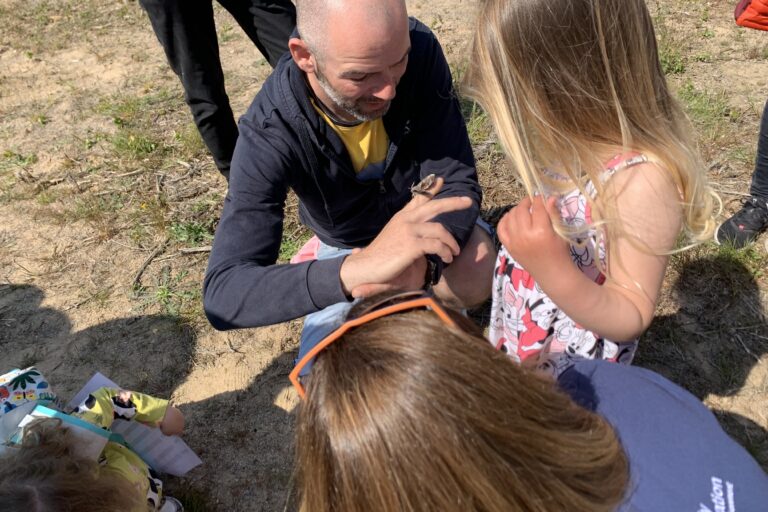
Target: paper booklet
{"points": [[166, 454]]}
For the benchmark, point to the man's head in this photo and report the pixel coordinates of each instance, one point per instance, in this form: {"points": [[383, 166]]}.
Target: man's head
{"points": [[354, 53]]}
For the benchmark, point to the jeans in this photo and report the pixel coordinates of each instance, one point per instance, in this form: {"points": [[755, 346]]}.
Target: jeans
{"points": [[187, 32], [320, 324], [759, 186]]}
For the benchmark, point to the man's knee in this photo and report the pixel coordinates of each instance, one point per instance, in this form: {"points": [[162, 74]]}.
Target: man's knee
{"points": [[467, 281]]}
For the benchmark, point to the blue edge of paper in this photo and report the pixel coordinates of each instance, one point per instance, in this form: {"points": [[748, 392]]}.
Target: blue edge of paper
{"points": [[78, 423]]}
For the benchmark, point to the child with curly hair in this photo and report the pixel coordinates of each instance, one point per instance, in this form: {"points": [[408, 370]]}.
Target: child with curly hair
{"points": [[47, 473]]}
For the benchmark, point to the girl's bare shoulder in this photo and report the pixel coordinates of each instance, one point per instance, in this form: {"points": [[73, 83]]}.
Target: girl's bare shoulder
{"points": [[644, 184]]}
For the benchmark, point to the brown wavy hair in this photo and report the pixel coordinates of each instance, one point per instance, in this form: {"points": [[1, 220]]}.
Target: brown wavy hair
{"points": [[407, 414], [44, 475]]}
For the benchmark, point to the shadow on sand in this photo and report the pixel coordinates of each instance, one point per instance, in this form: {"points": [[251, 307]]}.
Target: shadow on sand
{"points": [[714, 339]]}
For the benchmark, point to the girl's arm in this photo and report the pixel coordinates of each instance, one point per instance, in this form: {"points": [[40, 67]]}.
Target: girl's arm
{"points": [[105, 404], [153, 411], [649, 220]]}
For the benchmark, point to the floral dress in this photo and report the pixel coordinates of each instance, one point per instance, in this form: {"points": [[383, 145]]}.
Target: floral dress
{"points": [[532, 329]]}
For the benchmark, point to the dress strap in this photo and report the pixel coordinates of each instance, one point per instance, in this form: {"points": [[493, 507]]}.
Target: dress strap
{"points": [[621, 162]]}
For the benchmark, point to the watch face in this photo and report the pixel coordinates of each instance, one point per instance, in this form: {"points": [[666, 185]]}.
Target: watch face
{"points": [[432, 275]]}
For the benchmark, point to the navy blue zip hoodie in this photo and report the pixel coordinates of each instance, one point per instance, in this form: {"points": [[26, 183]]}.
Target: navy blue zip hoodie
{"points": [[284, 144]]}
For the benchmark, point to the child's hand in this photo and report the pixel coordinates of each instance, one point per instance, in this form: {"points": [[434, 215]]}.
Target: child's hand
{"points": [[527, 233], [172, 423]]}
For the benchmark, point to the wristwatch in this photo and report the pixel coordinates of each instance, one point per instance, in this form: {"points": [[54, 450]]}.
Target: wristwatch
{"points": [[434, 271]]}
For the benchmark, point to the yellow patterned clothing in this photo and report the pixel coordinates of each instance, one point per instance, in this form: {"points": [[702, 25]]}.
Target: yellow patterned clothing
{"points": [[367, 143], [105, 405]]}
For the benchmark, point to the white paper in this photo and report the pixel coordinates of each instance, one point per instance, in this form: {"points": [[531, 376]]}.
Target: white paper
{"points": [[97, 381], [166, 454]]}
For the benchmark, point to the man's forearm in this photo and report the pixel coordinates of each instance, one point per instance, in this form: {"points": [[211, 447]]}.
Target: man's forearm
{"points": [[248, 295]]}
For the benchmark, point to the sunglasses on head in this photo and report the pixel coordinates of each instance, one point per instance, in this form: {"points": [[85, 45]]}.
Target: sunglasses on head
{"points": [[391, 305]]}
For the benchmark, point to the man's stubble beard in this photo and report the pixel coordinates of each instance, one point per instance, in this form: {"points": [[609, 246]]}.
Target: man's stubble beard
{"points": [[347, 106]]}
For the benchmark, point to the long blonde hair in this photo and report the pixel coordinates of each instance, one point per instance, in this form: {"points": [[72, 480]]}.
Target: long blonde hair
{"points": [[407, 414], [45, 475], [565, 80]]}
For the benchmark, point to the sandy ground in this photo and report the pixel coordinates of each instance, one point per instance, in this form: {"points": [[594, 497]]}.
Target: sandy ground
{"points": [[67, 299]]}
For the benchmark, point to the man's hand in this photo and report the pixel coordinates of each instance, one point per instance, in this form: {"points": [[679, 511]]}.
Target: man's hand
{"points": [[527, 233], [396, 257], [412, 278]]}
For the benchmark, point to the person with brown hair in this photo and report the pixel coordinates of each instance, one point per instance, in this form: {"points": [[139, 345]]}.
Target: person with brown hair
{"points": [[577, 96], [404, 409], [48, 473], [44, 474]]}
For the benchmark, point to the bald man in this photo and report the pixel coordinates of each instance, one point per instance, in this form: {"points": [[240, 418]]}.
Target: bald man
{"points": [[360, 112]]}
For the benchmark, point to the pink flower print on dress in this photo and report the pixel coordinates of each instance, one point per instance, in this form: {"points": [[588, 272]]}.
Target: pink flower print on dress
{"points": [[517, 275], [533, 339], [538, 320]]}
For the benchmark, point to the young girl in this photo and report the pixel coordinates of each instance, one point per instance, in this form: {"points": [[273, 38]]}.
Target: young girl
{"points": [[45, 473], [581, 107], [404, 410]]}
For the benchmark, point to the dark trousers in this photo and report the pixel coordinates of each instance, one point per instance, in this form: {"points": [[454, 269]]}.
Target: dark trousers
{"points": [[759, 186], [187, 32]]}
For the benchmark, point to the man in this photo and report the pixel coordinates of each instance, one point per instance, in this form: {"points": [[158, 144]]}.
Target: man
{"points": [[361, 111], [187, 32]]}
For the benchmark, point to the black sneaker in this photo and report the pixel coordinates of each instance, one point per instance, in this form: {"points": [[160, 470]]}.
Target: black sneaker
{"points": [[744, 227]]}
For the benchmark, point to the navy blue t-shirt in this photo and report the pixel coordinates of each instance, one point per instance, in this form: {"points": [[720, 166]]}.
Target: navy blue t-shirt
{"points": [[680, 458]]}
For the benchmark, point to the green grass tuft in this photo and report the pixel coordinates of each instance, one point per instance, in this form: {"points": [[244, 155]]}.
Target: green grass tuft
{"points": [[709, 111], [192, 233], [134, 144], [189, 140], [672, 60]]}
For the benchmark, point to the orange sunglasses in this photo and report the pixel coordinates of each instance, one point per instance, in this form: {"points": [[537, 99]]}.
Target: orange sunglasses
{"points": [[405, 301]]}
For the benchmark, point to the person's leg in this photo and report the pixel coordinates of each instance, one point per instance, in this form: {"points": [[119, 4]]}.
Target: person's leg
{"points": [[187, 32], [747, 224], [269, 24], [320, 324], [759, 186], [466, 282]]}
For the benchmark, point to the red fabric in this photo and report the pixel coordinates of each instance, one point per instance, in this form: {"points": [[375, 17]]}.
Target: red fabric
{"points": [[752, 14]]}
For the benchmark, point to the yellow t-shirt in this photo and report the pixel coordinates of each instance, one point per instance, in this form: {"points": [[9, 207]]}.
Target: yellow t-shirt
{"points": [[367, 144]]}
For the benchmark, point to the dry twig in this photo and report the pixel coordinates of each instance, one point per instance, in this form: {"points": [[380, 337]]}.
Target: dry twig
{"points": [[159, 249], [744, 346], [195, 250]]}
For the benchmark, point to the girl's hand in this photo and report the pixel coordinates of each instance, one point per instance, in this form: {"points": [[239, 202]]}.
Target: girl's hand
{"points": [[650, 217], [527, 233]]}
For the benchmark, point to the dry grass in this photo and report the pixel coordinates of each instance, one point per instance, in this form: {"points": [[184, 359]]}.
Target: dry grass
{"points": [[99, 171]]}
